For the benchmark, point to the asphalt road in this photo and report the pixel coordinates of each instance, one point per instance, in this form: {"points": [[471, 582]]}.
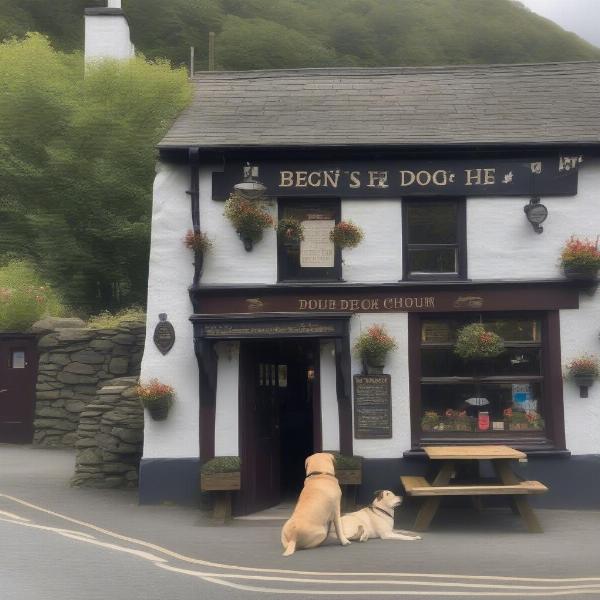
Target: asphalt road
{"points": [[59, 543]]}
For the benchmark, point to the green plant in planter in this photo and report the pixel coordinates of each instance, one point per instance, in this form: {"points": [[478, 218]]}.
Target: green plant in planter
{"points": [[344, 462], [248, 217], [584, 371], [346, 234], [523, 420], [373, 346], [222, 464], [430, 421], [580, 258], [290, 229], [475, 342], [157, 398]]}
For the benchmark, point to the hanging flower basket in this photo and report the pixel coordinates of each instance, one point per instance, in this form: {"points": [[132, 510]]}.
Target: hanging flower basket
{"points": [[346, 235], [580, 259], [198, 242], [290, 230], [584, 371], [475, 342], [373, 346], [157, 398], [248, 218]]}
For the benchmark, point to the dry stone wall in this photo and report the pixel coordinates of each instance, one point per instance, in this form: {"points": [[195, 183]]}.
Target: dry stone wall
{"points": [[75, 362], [110, 437]]}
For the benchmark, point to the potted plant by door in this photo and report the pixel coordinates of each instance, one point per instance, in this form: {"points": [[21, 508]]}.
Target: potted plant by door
{"points": [[249, 218], [584, 371], [372, 347], [580, 259], [221, 476], [348, 470], [157, 398]]}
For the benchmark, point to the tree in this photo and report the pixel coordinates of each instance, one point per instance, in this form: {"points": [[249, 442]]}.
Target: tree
{"points": [[77, 162]]}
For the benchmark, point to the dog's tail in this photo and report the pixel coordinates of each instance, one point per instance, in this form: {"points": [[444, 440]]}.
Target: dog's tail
{"points": [[288, 539]]}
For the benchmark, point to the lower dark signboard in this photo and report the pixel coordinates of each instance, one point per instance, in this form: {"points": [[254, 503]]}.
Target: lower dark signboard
{"points": [[372, 406]]}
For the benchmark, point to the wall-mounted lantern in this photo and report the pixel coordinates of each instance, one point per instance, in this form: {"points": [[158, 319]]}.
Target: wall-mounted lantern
{"points": [[250, 187], [536, 213]]}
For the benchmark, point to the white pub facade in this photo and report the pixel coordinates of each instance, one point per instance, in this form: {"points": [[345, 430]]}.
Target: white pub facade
{"points": [[445, 170]]}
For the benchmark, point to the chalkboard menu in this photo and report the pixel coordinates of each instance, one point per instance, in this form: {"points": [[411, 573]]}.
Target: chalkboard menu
{"points": [[372, 406]]}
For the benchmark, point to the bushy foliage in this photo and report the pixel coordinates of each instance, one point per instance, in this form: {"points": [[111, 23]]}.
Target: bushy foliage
{"points": [[248, 217], [290, 229], [155, 395], [108, 320], [374, 345], [197, 241], [24, 297], [586, 366], [77, 164], [260, 34], [581, 254], [474, 341], [222, 464], [346, 234]]}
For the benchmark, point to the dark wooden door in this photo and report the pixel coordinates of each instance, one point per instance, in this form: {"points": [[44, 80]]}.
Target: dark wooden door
{"points": [[18, 373], [259, 427]]}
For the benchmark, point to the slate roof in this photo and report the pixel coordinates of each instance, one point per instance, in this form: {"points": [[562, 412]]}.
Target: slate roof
{"points": [[554, 103]]}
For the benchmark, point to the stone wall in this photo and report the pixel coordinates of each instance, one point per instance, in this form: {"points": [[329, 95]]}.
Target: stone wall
{"points": [[110, 437], [75, 361]]}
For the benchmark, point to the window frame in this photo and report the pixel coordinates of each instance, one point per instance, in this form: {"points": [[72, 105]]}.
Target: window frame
{"points": [[314, 203], [551, 439], [461, 240]]}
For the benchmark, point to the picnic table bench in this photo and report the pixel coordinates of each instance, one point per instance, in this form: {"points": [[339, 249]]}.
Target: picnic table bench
{"points": [[510, 484]]}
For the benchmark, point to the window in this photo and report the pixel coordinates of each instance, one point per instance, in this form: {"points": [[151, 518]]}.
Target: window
{"points": [[434, 234], [18, 359], [314, 258], [502, 397]]}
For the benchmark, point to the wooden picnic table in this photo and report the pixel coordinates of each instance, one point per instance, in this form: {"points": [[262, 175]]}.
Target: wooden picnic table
{"points": [[502, 457]]}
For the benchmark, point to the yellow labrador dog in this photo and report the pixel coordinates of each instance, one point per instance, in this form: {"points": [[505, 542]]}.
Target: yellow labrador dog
{"points": [[317, 507], [376, 520]]}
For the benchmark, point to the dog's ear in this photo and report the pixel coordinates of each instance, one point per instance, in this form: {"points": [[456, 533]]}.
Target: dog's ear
{"points": [[378, 494], [332, 457]]}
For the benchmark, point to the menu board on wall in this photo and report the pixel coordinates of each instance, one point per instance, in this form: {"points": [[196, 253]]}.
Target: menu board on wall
{"points": [[316, 249], [372, 406]]}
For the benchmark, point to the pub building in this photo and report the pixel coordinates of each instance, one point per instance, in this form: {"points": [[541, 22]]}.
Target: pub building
{"points": [[466, 182]]}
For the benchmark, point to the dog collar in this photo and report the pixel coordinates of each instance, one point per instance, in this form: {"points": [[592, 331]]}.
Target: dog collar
{"points": [[320, 473], [385, 512]]}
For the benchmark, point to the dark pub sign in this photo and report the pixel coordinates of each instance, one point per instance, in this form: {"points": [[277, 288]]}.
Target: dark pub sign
{"points": [[372, 406], [535, 176]]}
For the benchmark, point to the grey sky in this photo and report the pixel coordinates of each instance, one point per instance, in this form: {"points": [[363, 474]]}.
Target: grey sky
{"points": [[579, 16]]}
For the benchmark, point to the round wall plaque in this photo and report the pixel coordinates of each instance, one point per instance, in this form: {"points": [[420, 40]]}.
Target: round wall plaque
{"points": [[164, 334]]}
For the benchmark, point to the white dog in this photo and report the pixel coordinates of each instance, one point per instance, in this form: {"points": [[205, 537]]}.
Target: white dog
{"points": [[376, 520], [317, 507]]}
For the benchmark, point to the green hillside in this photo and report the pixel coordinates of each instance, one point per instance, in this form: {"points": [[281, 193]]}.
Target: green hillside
{"points": [[253, 34]]}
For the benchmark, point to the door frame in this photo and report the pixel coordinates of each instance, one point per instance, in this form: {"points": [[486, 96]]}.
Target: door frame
{"points": [[245, 392]]}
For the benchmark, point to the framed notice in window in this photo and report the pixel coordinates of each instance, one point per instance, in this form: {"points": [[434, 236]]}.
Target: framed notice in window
{"points": [[314, 258], [316, 249]]}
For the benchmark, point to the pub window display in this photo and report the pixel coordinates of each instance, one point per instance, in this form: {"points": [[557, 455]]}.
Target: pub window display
{"points": [[311, 256], [487, 395], [434, 239]]}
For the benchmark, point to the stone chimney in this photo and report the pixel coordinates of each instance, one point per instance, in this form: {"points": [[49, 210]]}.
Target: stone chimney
{"points": [[107, 33]]}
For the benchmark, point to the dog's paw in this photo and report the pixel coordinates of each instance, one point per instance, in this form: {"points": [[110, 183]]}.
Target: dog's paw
{"points": [[345, 542], [416, 537]]}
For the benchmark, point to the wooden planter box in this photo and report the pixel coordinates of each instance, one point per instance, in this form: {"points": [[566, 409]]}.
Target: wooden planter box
{"points": [[349, 476], [220, 482]]}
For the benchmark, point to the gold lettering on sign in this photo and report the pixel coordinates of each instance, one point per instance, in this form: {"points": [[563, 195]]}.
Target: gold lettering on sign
{"points": [[392, 304], [378, 179], [480, 176], [287, 179], [354, 180]]}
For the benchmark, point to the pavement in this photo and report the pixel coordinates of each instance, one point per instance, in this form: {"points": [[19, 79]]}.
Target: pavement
{"points": [[63, 543]]}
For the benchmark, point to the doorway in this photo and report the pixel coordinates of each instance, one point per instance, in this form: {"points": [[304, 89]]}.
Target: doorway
{"points": [[18, 373], [280, 419]]}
